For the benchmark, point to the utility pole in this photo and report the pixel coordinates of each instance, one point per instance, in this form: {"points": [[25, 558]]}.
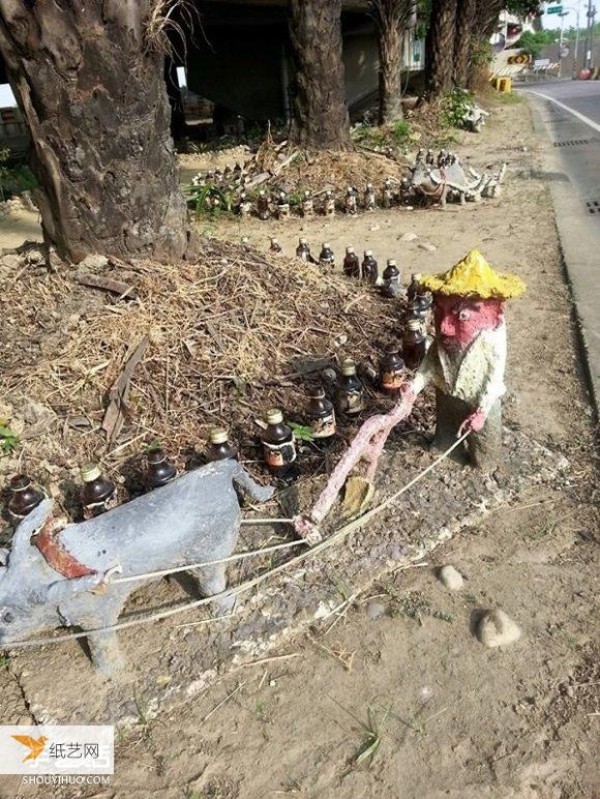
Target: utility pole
{"points": [[589, 36]]}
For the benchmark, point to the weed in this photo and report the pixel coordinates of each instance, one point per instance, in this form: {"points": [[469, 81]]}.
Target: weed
{"points": [[261, 712], [4, 661], [8, 438], [456, 106], [372, 730], [301, 432], [542, 530]]}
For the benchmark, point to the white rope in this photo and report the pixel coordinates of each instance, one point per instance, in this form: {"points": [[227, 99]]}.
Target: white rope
{"points": [[238, 556], [238, 589]]}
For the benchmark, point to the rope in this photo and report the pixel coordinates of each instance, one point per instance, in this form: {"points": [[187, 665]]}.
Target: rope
{"points": [[340, 534]]}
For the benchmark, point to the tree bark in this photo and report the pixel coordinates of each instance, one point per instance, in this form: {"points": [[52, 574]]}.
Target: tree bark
{"points": [[391, 18], [320, 114], [465, 19], [88, 77], [486, 18], [439, 48]]}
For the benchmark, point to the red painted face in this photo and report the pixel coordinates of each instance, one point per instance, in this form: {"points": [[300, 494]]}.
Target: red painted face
{"points": [[458, 320]]}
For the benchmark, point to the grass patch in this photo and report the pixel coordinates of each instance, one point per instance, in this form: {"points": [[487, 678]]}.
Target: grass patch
{"points": [[392, 134]]}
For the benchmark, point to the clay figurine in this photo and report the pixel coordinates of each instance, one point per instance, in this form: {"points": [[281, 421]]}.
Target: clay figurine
{"points": [[57, 576], [466, 365]]}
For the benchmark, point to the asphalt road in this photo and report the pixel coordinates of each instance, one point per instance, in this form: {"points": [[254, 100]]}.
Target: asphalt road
{"points": [[567, 115]]}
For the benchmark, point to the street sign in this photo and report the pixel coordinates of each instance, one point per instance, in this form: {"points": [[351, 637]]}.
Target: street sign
{"points": [[541, 63], [554, 10]]}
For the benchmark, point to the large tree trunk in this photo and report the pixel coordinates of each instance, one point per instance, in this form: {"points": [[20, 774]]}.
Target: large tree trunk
{"points": [[465, 19], [320, 114], [439, 48], [88, 77]]}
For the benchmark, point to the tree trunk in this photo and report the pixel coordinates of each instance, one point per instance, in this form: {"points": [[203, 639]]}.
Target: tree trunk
{"points": [[465, 19], [439, 48], [88, 77], [390, 74], [320, 114], [486, 18]]}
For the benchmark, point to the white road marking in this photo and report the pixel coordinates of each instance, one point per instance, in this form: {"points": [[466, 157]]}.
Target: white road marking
{"points": [[582, 117]]}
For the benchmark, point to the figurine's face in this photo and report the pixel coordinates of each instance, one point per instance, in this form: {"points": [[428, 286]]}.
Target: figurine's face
{"points": [[459, 320]]}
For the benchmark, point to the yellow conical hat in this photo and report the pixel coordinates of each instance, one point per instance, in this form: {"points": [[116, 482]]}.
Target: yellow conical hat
{"points": [[473, 276]]}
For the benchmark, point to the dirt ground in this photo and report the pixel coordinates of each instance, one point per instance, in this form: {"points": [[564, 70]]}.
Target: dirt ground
{"points": [[397, 698]]}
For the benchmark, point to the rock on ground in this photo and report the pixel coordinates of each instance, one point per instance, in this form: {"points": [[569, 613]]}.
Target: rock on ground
{"points": [[452, 579], [497, 629]]}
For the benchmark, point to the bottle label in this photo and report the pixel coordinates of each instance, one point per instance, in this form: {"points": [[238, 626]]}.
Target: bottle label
{"points": [[390, 381], [323, 427], [351, 402], [279, 454]]}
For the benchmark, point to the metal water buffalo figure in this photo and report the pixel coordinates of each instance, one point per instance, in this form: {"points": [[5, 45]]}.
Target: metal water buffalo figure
{"points": [[55, 577]]}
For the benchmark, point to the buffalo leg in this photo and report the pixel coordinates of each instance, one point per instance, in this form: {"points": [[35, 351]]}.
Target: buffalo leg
{"points": [[212, 580], [106, 653]]}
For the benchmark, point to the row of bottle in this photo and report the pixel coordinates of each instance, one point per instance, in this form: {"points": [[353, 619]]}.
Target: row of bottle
{"points": [[98, 492]]}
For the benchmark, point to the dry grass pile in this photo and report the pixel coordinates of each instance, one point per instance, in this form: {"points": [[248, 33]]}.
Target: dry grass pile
{"points": [[229, 336]]}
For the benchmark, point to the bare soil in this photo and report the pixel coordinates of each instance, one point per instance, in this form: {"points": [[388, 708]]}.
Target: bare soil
{"points": [[402, 700]]}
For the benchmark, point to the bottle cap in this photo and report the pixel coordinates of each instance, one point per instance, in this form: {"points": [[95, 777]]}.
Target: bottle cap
{"points": [[416, 277], [20, 482], [303, 241], [261, 193], [306, 193], [273, 240], [156, 456], [349, 249], [348, 367], [369, 185], [326, 245], [368, 253], [90, 472], [317, 392], [392, 348], [274, 416], [219, 435], [414, 324], [391, 262]]}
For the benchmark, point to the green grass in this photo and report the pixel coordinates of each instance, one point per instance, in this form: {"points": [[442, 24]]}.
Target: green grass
{"points": [[509, 99]]}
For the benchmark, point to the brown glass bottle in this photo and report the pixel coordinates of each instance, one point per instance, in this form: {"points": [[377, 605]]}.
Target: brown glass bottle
{"points": [[24, 497], [414, 344], [327, 258], [392, 370], [321, 416], [391, 280], [349, 396], [369, 268], [279, 447], [98, 493], [413, 290], [303, 251], [351, 263], [262, 205], [219, 447], [158, 471]]}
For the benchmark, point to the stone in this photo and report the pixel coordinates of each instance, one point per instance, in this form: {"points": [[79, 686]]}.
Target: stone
{"points": [[375, 610], [94, 261], [452, 579], [408, 237], [496, 628], [12, 261], [424, 245]]}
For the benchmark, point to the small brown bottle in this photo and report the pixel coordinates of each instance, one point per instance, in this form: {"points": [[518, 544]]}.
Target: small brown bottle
{"points": [[414, 344], [25, 497], [393, 372], [219, 447], [98, 493], [262, 205], [303, 251], [351, 263], [279, 447], [327, 258], [369, 268], [349, 396], [321, 416], [391, 280], [329, 203], [413, 290], [307, 206], [159, 471]]}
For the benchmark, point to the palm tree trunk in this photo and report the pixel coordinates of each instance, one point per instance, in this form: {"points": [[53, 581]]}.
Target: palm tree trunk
{"points": [[320, 113], [439, 48], [465, 19], [390, 73]]}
